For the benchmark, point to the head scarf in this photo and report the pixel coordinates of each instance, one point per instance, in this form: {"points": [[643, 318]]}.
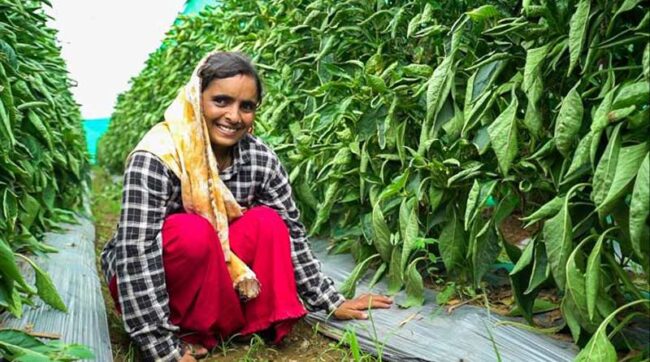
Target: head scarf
{"points": [[183, 144]]}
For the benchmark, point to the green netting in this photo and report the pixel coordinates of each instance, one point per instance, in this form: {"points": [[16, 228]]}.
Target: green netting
{"points": [[194, 6], [94, 129]]}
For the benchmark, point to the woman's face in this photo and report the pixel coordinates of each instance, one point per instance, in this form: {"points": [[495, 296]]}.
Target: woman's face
{"points": [[229, 106]]}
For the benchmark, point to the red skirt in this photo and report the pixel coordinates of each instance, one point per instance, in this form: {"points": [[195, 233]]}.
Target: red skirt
{"points": [[202, 300]]}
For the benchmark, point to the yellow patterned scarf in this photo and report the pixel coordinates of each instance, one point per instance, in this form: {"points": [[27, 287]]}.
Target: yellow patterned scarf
{"points": [[182, 142]]}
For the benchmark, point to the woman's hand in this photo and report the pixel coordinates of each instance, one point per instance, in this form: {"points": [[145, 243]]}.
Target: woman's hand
{"points": [[355, 308]]}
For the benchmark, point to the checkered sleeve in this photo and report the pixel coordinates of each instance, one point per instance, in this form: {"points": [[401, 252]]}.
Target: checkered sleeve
{"points": [[316, 289], [139, 264]]}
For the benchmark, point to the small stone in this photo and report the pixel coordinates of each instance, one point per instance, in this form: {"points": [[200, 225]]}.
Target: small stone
{"points": [[305, 344]]}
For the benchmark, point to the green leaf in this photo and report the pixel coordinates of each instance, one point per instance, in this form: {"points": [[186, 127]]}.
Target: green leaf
{"points": [[558, 238], [377, 83], [533, 119], [472, 200], [72, 351], [395, 274], [409, 228], [568, 122], [414, 286], [540, 306], [568, 310], [629, 161], [600, 118], [417, 70], [580, 157], [592, 276], [349, 287], [506, 206], [395, 187], [606, 169], [42, 131], [632, 94], [19, 338], [5, 125], [325, 207], [484, 12], [534, 59], [541, 270], [627, 6], [599, 349], [640, 210], [378, 274], [545, 211], [485, 192], [525, 259], [45, 287], [24, 354], [453, 243], [9, 206], [31, 207], [446, 294], [519, 282], [503, 136], [577, 30], [621, 113], [486, 248], [576, 288], [413, 24], [437, 89], [382, 234], [305, 195], [8, 265]]}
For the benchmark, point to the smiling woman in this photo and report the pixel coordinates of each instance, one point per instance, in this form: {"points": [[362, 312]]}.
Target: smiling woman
{"points": [[210, 242], [231, 90]]}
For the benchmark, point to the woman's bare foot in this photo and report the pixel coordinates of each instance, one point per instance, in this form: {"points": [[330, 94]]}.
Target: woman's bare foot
{"points": [[195, 350]]}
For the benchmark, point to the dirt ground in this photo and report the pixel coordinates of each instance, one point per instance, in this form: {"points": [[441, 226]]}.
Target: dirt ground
{"points": [[303, 344]]}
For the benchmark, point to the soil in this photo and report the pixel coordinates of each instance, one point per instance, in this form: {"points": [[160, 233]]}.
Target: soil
{"points": [[513, 232]]}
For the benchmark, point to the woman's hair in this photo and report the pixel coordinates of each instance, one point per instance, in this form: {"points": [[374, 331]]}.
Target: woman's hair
{"points": [[228, 64]]}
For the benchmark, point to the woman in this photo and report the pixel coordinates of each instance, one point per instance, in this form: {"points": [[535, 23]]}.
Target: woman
{"points": [[209, 242]]}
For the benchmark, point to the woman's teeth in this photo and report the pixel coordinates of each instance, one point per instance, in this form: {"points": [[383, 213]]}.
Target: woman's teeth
{"points": [[227, 129]]}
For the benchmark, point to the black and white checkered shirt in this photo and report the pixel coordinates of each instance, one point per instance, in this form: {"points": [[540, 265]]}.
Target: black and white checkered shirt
{"points": [[134, 254]]}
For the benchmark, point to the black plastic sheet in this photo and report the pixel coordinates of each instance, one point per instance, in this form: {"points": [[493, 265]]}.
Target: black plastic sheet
{"points": [[429, 333], [73, 272]]}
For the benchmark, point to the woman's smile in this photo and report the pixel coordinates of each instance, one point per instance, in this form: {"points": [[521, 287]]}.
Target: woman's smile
{"points": [[226, 129]]}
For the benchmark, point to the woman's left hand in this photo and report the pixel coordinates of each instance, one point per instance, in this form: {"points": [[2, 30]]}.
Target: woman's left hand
{"points": [[356, 308]]}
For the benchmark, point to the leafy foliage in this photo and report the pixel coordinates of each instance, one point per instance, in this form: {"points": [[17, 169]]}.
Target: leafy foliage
{"points": [[405, 121], [17, 345], [43, 162]]}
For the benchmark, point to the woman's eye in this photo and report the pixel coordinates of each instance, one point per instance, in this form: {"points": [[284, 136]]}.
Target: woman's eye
{"points": [[220, 101], [248, 106]]}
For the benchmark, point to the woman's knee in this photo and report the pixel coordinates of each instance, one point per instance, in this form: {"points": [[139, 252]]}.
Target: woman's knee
{"points": [[189, 236], [266, 216], [271, 225]]}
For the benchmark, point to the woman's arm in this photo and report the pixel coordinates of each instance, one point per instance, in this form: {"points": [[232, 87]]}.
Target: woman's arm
{"points": [[139, 265], [317, 290]]}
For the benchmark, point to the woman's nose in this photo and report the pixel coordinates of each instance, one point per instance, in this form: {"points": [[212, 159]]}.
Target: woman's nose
{"points": [[233, 114]]}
